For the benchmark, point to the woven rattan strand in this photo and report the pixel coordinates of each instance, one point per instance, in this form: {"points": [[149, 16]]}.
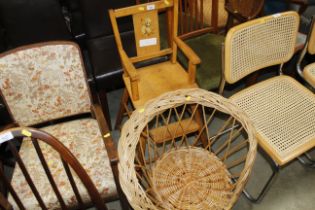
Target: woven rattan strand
{"points": [[188, 178], [186, 173], [259, 43], [309, 74], [283, 113]]}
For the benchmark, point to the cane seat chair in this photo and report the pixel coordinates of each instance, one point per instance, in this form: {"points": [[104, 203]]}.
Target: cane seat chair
{"points": [[186, 172], [44, 86], [282, 110], [308, 73], [145, 83], [53, 164]]}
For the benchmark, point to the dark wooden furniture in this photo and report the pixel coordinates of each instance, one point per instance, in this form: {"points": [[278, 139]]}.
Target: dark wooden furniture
{"points": [[44, 86], [42, 143], [198, 27], [242, 11]]}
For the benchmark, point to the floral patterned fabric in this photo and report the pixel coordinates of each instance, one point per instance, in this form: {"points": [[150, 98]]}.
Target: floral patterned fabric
{"points": [[84, 140], [42, 83]]}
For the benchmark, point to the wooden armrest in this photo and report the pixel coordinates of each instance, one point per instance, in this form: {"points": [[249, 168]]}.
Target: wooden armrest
{"points": [[129, 67], [105, 132], [191, 55]]}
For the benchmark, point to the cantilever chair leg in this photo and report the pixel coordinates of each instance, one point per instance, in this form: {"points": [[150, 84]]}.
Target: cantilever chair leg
{"points": [[275, 170], [309, 162]]}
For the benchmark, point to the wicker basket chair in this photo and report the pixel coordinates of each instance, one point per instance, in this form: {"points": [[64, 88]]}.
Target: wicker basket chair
{"points": [[186, 172], [308, 73], [282, 110]]}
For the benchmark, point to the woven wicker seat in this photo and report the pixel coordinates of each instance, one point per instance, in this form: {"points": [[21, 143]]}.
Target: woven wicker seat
{"points": [[187, 172], [308, 73], [282, 110]]}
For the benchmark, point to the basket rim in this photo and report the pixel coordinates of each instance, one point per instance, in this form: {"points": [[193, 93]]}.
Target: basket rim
{"points": [[130, 136]]}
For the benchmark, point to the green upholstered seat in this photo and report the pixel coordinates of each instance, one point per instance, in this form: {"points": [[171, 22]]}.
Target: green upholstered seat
{"points": [[208, 48]]}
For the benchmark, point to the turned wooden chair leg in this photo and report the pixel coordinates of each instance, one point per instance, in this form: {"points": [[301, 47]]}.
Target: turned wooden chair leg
{"points": [[122, 108]]}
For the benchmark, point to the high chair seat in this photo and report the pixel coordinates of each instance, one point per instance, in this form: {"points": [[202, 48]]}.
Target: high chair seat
{"points": [[157, 79]]}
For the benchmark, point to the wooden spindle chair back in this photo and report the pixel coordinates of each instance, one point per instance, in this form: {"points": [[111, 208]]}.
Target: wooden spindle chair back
{"points": [[192, 21], [73, 170]]}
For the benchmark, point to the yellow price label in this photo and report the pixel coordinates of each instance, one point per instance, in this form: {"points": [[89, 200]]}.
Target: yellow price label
{"points": [[107, 135], [26, 133]]}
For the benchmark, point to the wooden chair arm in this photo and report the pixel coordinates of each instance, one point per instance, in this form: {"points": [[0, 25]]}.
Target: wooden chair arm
{"points": [[189, 53], [107, 138], [128, 65]]}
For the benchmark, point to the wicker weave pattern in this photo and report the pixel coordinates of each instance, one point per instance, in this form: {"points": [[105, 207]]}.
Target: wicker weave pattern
{"points": [[259, 43], [221, 193], [195, 183], [309, 74], [283, 112]]}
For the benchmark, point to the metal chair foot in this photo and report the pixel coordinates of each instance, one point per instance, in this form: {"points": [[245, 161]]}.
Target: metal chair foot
{"points": [[275, 170]]}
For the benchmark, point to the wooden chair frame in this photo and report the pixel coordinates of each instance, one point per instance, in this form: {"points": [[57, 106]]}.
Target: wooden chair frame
{"points": [[130, 72], [96, 112]]}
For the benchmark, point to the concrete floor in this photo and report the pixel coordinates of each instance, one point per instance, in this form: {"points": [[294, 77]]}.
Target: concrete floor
{"points": [[293, 188]]}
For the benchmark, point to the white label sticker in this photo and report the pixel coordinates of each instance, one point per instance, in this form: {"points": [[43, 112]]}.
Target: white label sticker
{"points": [[148, 42], [276, 15], [150, 7], [5, 137]]}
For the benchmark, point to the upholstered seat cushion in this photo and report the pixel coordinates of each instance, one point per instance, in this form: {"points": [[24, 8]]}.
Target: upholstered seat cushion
{"points": [[208, 48], [309, 74], [283, 113], [84, 140]]}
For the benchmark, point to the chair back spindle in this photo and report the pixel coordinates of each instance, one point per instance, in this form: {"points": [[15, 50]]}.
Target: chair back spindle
{"points": [[192, 20], [40, 140]]}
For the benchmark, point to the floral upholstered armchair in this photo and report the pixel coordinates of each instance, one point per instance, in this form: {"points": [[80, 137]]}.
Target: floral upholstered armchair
{"points": [[44, 86]]}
